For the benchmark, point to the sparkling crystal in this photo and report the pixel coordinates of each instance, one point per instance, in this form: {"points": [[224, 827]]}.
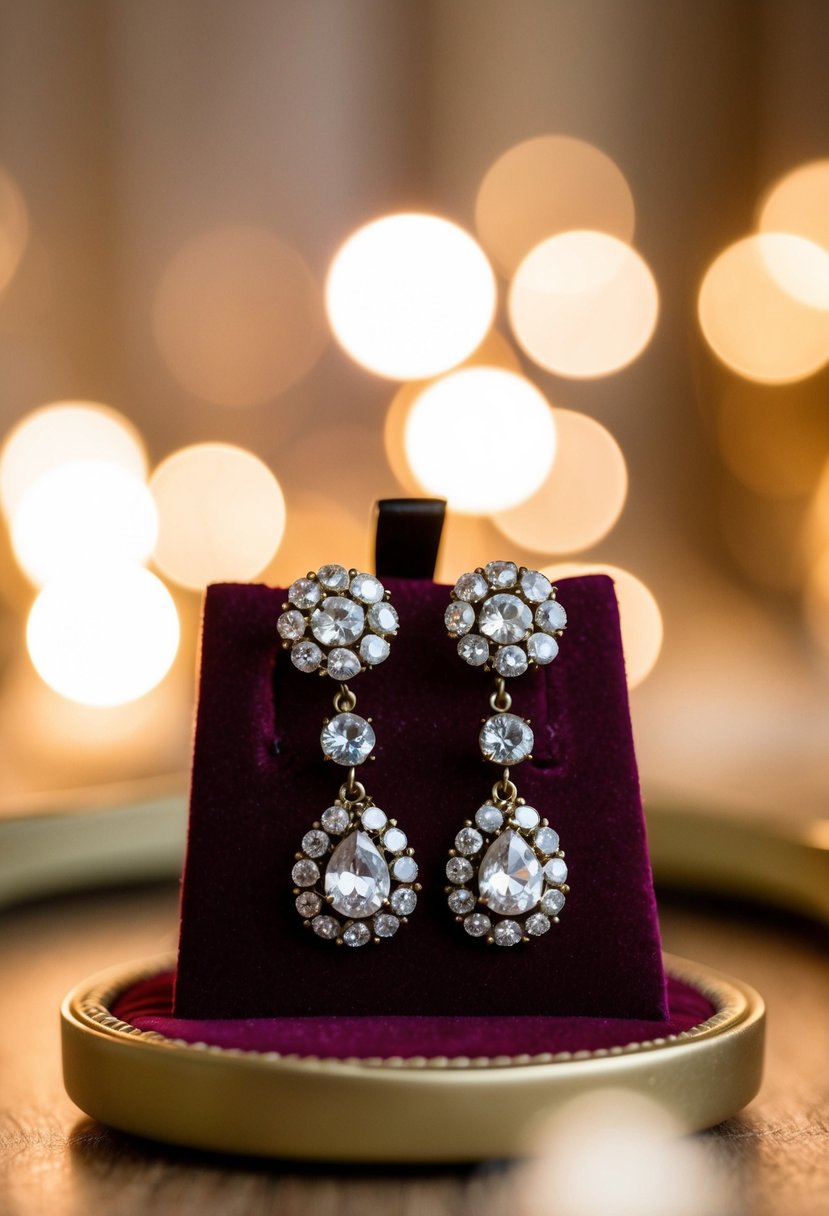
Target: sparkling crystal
{"points": [[306, 656], [315, 843], [489, 818], [291, 625], [510, 880], [304, 593], [553, 902], [308, 904], [326, 926], [473, 649], [556, 870], [357, 934], [343, 664], [347, 739], [477, 925], [471, 587], [374, 649], [333, 577], [458, 869], [536, 586], [506, 739], [504, 618], [527, 817], [537, 924], [468, 841], [507, 933], [383, 618], [501, 574], [395, 840], [510, 661], [459, 618], [403, 901], [550, 616], [542, 648], [405, 869], [305, 873], [367, 588], [386, 925], [373, 818], [546, 840], [338, 621], [461, 901], [335, 819], [357, 878]]}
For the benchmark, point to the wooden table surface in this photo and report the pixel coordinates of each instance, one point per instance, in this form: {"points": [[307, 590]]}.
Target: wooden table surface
{"points": [[55, 1160]]}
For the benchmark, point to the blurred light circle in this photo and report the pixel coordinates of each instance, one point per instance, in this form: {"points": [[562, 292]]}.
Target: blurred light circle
{"points": [[753, 324], [238, 316], [798, 203], [583, 304], [483, 438], [582, 496], [61, 433], [547, 185], [83, 515], [410, 296], [104, 639], [14, 228], [221, 515], [639, 615]]}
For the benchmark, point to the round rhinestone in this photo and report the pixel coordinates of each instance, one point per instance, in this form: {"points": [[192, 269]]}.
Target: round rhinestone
{"points": [[373, 818], [536, 586], [338, 621], [504, 618], [506, 739], [550, 616], [357, 934], [343, 664], [315, 843], [386, 925], [507, 933], [510, 661], [542, 648], [527, 817], [537, 924], [383, 618], [405, 869], [461, 901], [304, 593], [333, 577], [473, 650], [489, 818], [396, 840], [291, 625], [305, 873], [458, 869], [374, 649], [556, 870], [468, 841], [477, 925], [471, 587], [546, 840], [326, 926], [552, 902], [367, 588], [335, 819], [501, 574], [306, 656], [347, 739], [308, 904], [459, 618], [403, 901]]}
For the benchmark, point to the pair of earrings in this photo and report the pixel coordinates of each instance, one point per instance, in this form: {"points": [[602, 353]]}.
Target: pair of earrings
{"points": [[355, 879]]}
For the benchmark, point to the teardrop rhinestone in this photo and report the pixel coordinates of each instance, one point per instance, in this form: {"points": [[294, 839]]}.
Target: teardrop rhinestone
{"points": [[357, 878], [510, 878]]}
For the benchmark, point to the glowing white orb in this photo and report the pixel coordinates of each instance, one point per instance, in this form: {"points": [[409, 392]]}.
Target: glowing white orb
{"points": [[798, 203]]}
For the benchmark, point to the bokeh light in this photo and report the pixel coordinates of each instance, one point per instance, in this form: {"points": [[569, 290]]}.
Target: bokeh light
{"points": [[547, 185], [816, 601], [583, 304], [582, 496], [14, 228], [482, 438], [82, 515], [639, 615], [753, 324], [103, 640], [238, 316], [410, 296], [221, 515], [798, 203], [60, 433], [320, 529]]}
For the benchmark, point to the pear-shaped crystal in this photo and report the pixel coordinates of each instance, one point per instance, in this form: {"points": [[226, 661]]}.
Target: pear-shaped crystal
{"points": [[357, 878], [510, 878]]}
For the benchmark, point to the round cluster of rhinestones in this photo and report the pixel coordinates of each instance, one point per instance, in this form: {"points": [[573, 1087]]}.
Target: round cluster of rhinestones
{"points": [[505, 618], [355, 877], [337, 622], [521, 874]]}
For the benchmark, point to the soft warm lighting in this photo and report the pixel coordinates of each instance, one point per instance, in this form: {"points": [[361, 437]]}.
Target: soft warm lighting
{"points": [[320, 529], [548, 185], [238, 317], [14, 228], [799, 204], [582, 496], [106, 639], [755, 326], [59, 434], [816, 600], [410, 296], [483, 438], [583, 304], [83, 515], [773, 440], [639, 615], [221, 515]]}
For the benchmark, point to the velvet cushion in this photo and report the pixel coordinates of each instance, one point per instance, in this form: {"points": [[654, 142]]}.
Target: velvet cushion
{"points": [[259, 782]]}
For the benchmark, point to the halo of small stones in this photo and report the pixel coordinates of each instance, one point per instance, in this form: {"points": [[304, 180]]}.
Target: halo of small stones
{"points": [[471, 845], [302, 625], [308, 873], [528, 637]]}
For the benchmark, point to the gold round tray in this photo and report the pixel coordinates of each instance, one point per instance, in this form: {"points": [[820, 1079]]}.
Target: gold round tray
{"points": [[389, 1110]]}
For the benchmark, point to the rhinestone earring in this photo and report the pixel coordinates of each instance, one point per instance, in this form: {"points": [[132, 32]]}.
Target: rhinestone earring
{"points": [[507, 863], [354, 861]]}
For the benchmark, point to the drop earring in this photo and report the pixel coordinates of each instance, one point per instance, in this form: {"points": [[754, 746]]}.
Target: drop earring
{"points": [[507, 874], [354, 878]]}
